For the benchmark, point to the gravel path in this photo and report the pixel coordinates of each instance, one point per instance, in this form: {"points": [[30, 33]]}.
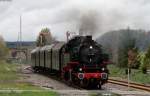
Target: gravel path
{"points": [[41, 80]]}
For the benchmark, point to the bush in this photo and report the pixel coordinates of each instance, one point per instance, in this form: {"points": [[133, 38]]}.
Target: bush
{"points": [[3, 49], [144, 59]]}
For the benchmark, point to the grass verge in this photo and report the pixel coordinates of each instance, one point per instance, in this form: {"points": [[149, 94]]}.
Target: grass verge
{"points": [[50, 93], [9, 76], [135, 76]]}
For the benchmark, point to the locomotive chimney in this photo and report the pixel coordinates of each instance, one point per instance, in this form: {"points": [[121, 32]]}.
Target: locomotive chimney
{"points": [[89, 38]]}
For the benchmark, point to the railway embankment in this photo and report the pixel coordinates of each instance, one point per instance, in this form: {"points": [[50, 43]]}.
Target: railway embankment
{"points": [[135, 75]]}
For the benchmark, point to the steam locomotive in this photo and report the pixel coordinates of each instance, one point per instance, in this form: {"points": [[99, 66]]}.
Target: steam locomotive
{"points": [[80, 61]]}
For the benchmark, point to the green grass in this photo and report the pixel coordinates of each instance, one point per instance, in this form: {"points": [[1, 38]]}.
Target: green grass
{"points": [[44, 93], [116, 71], [8, 72], [9, 76], [138, 76], [18, 86], [135, 76], [8, 81]]}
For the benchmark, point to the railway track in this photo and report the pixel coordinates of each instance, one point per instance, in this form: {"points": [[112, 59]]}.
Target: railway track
{"points": [[133, 85]]}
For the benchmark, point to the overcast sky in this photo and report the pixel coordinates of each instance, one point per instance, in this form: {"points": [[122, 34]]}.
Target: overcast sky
{"points": [[67, 15]]}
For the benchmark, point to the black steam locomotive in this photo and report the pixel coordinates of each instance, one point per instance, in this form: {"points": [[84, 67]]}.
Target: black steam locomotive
{"points": [[80, 60]]}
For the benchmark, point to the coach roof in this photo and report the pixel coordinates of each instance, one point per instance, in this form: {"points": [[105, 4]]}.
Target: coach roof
{"points": [[35, 50], [58, 45]]}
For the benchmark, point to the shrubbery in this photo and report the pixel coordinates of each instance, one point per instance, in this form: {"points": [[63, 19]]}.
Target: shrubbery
{"points": [[3, 49], [144, 59]]}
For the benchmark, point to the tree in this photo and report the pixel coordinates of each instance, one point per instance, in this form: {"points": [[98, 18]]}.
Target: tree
{"points": [[118, 43], [127, 42], [45, 37], [132, 58], [3, 49], [144, 59]]}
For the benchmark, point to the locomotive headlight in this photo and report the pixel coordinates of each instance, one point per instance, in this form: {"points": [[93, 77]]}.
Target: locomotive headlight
{"points": [[80, 69], [103, 69], [91, 47]]}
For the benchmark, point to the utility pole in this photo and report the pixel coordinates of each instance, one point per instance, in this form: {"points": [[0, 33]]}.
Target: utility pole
{"points": [[129, 63], [128, 77], [20, 40]]}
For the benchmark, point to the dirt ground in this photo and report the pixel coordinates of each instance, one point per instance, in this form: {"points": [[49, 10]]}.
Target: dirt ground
{"points": [[41, 80]]}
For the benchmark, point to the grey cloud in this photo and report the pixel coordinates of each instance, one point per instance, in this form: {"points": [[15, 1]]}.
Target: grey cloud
{"points": [[63, 15]]}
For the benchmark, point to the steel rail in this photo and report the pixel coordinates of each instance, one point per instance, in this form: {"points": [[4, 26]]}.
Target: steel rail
{"points": [[133, 85]]}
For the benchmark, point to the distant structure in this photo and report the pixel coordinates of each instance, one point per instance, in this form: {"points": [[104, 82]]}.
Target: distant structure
{"points": [[25, 50]]}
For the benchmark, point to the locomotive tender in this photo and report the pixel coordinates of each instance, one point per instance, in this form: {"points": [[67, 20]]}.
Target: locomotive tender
{"points": [[80, 61]]}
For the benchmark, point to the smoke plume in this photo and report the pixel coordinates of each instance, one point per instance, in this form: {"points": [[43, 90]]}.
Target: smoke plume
{"points": [[88, 24]]}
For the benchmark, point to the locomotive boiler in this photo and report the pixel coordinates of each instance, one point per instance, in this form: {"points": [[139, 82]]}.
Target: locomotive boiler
{"points": [[81, 61]]}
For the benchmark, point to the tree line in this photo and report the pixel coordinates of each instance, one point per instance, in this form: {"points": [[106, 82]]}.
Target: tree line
{"points": [[128, 47]]}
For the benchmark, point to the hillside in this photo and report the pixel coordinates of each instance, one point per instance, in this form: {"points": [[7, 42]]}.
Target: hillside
{"points": [[116, 41]]}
